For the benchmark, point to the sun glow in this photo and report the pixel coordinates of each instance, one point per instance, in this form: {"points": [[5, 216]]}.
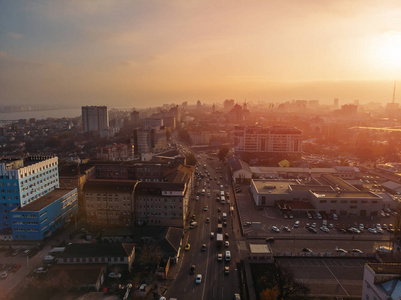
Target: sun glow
{"points": [[388, 50]]}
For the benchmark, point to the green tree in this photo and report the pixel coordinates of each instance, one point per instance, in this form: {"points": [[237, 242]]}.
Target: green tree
{"points": [[223, 152]]}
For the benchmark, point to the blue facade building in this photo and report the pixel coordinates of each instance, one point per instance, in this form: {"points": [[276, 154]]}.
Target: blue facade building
{"points": [[42, 217], [24, 181]]}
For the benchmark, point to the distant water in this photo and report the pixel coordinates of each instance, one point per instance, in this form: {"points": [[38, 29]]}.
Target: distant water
{"points": [[40, 114]]}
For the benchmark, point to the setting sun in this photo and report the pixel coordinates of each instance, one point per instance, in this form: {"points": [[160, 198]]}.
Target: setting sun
{"points": [[389, 50]]}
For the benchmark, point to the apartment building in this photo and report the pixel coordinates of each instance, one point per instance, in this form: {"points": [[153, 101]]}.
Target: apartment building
{"points": [[254, 141], [95, 119]]}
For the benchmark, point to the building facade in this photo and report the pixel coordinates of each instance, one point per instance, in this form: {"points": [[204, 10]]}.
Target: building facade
{"points": [[95, 118], [109, 202], [41, 218], [24, 181], [252, 141], [162, 203]]}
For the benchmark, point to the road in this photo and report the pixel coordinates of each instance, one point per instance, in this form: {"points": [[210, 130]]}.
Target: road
{"points": [[215, 283]]}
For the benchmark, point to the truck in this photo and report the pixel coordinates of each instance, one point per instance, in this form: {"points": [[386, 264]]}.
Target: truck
{"points": [[219, 240]]}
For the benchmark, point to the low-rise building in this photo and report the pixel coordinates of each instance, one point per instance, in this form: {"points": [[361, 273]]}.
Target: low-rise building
{"points": [[381, 281], [41, 218], [111, 254]]}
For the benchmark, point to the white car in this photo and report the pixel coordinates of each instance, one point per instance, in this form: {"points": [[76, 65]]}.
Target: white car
{"points": [[114, 275], [198, 278], [212, 235], [296, 224], [275, 229], [372, 230], [227, 244], [324, 229]]}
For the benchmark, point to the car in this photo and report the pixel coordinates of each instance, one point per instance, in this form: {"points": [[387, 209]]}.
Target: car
{"points": [[187, 247], [219, 257], [16, 252], [357, 251], [205, 208], [237, 296], [226, 236], [246, 224], [224, 223], [207, 220], [309, 216], [296, 224], [219, 209], [142, 287], [313, 230], [270, 239], [197, 198], [192, 269], [203, 248], [324, 229], [212, 235], [226, 270], [114, 275], [285, 228], [331, 226], [340, 250], [307, 250], [372, 230], [26, 252], [227, 244], [40, 270], [198, 279], [291, 216], [4, 275], [314, 225], [379, 230], [285, 216], [275, 229]]}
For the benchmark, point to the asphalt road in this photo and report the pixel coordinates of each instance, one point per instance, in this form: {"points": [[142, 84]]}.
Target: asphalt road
{"points": [[215, 283]]}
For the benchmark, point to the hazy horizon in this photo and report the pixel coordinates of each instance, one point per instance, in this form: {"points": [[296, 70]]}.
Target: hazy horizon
{"points": [[147, 53]]}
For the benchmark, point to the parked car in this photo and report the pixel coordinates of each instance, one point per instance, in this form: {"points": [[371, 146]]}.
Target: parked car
{"points": [[296, 224], [307, 250], [285, 228], [340, 250], [270, 239], [275, 229], [114, 275], [4, 275]]}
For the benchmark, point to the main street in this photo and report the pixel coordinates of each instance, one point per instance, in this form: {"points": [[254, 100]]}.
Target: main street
{"points": [[215, 283]]}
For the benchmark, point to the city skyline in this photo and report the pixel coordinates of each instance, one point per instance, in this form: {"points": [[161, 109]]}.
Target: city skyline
{"points": [[146, 53]]}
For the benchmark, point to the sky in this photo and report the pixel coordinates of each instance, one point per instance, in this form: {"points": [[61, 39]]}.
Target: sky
{"points": [[145, 53]]}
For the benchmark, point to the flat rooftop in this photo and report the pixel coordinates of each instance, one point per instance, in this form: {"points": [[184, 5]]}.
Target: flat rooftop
{"points": [[45, 200], [345, 195], [259, 249], [273, 186]]}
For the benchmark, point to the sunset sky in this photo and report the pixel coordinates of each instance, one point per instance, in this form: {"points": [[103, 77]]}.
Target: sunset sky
{"points": [[144, 53]]}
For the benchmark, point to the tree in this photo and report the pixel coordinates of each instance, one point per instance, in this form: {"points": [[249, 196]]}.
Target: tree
{"points": [[191, 159], [278, 282], [223, 152]]}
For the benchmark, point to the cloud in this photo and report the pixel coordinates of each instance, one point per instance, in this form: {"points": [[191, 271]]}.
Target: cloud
{"points": [[15, 35], [14, 62]]}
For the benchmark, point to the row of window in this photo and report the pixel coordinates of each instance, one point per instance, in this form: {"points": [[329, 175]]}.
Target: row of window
{"points": [[350, 201]]}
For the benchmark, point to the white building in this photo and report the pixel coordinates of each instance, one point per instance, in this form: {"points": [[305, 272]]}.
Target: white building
{"points": [[381, 281], [23, 181]]}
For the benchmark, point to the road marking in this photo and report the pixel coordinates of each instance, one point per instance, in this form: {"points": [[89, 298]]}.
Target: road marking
{"points": [[336, 278]]}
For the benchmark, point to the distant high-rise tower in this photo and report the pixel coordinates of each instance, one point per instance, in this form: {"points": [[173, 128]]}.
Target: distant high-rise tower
{"points": [[94, 118], [335, 103]]}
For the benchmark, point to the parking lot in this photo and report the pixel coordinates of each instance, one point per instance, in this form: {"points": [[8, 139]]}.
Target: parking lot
{"points": [[329, 276], [259, 223]]}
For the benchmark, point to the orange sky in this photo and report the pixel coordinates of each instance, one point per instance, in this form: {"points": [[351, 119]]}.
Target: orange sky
{"points": [[145, 53]]}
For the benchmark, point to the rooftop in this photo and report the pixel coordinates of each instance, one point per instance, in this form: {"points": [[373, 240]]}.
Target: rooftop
{"points": [[98, 250], [345, 194], [259, 249], [273, 186], [109, 186], [45, 200]]}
